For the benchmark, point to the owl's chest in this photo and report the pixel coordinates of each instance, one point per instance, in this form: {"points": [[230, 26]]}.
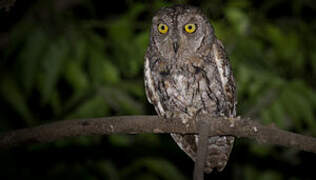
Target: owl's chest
{"points": [[185, 92], [183, 86]]}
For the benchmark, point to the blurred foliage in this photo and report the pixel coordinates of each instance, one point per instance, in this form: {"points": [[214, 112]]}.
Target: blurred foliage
{"points": [[84, 59]]}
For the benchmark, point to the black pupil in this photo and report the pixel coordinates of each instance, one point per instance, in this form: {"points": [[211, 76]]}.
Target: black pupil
{"points": [[190, 27], [162, 27]]}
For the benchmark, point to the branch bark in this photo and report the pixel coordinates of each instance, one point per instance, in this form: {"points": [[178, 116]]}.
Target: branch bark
{"points": [[238, 127], [201, 155]]}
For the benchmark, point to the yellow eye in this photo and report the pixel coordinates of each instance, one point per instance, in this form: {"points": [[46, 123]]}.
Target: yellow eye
{"points": [[163, 28], [190, 28]]}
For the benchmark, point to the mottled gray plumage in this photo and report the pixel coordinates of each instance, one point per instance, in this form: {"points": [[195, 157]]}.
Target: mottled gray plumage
{"points": [[187, 74]]}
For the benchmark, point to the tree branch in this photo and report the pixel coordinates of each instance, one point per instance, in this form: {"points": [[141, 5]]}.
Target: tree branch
{"points": [[238, 127]]}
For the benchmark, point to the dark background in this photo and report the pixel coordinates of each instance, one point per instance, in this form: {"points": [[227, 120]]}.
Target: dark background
{"points": [[66, 59]]}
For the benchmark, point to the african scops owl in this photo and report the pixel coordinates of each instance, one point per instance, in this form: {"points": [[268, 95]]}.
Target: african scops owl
{"points": [[187, 74]]}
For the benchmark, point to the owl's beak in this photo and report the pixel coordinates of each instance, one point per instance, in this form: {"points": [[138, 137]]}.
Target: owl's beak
{"points": [[175, 47]]}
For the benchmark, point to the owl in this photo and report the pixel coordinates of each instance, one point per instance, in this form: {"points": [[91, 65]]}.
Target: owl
{"points": [[187, 74]]}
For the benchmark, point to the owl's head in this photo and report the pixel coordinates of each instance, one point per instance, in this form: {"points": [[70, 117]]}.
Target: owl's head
{"points": [[180, 30]]}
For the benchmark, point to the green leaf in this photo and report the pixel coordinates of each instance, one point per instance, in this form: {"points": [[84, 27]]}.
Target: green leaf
{"points": [[92, 107], [159, 167], [148, 139], [53, 62], [278, 114], [270, 175], [108, 170], [243, 78], [134, 12], [101, 70], [18, 36], [80, 50], [256, 87], [13, 95], [120, 30], [289, 103], [261, 150], [305, 106], [266, 116], [120, 140], [310, 95], [239, 19], [135, 88], [298, 107], [146, 176], [110, 72], [253, 173], [75, 75], [121, 101], [56, 103], [30, 57]]}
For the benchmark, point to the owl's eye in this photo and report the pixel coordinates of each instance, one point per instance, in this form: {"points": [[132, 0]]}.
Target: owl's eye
{"points": [[162, 28], [190, 28]]}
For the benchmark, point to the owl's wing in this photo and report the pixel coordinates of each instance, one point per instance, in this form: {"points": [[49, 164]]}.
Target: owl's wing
{"points": [[150, 87], [226, 77], [219, 147]]}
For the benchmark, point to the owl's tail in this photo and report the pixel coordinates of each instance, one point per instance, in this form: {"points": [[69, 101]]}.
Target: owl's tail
{"points": [[219, 148]]}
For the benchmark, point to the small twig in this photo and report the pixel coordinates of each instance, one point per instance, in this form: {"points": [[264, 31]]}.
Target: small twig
{"points": [[237, 127], [201, 148]]}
